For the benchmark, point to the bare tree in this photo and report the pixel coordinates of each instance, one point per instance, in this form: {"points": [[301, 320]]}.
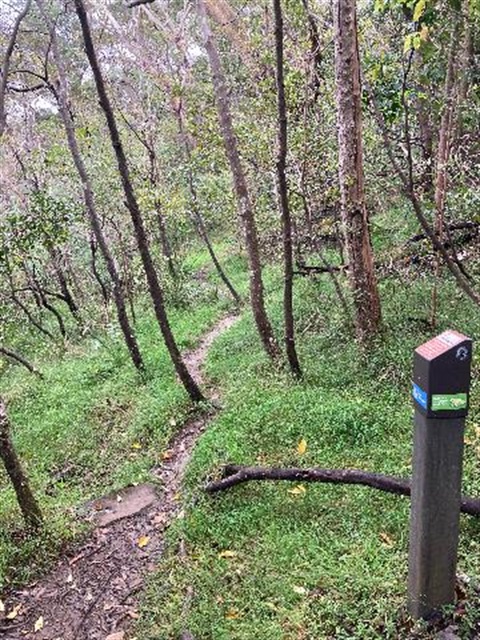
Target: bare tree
{"points": [[153, 281], [241, 189], [283, 194], [61, 93], [353, 209]]}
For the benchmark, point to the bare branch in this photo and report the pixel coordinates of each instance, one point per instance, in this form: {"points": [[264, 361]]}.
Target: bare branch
{"points": [[238, 474], [6, 64], [137, 3]]}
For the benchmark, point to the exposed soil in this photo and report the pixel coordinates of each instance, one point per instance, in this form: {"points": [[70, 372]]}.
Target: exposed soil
{"points": [[92, 593]]}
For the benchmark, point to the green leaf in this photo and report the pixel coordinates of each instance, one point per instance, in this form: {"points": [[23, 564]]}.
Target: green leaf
{"points": [[419, 9]]}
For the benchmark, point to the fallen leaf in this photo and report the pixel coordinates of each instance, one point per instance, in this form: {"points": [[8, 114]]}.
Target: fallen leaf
{"points": [[386, 539], [232, 614], [38, 624], [302, 446], [301, 591], [166, 455], [227, 554], [120, 635], [143, 541], [2, 607], [14, 612], [133, 614], [299, 490], [136, 445]]}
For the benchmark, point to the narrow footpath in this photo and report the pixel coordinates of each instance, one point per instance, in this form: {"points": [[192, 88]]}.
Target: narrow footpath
{"points": [[93, 593]]}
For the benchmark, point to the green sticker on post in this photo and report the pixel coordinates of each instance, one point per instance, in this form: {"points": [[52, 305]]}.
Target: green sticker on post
{"points": [[449, 402]]}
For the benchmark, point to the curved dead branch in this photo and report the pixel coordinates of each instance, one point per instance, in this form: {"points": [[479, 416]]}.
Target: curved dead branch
{"points": [[238, 474]]}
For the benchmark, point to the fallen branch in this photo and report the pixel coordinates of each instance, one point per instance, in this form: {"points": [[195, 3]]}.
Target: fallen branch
{"points": [[454, 226], [237, 474]]}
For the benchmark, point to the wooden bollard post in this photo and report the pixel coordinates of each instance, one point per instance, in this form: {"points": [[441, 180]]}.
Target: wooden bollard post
{"points": [[441, 383]]}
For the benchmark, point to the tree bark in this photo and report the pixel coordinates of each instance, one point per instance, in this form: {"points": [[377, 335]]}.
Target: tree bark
{"points": [[26, 501], [131, 202], [238, 474], [96, 274], [241, 190], [353, 208], [283, 194], [94, 218], [445, 137]]}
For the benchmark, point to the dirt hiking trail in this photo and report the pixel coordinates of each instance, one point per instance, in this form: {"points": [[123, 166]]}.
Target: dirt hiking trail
{"points": [[92, 594]]}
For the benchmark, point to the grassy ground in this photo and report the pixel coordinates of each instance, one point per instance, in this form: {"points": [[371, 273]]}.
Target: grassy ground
{"points": [[92, 426], [284, 562], [274, 561]]}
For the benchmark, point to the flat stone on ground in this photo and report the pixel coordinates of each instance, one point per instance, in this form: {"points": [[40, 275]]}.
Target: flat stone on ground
{"points": [[121, 504]]}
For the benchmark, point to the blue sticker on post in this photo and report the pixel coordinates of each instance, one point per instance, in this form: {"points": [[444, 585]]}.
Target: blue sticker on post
{"points": [[420, 396]]}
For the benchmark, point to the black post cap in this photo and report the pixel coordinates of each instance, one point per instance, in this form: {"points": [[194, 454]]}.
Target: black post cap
{"points": [[441, 375]]}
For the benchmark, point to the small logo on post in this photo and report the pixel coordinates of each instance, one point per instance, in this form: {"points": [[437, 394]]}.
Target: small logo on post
{"points": [[462, 353]]}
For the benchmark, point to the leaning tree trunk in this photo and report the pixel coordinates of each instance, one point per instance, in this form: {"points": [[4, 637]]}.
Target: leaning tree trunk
{"points": [[241, 190], [16, 357], [284, 203], [353, 208], [26, 501], [62, 98], [153, 281]]}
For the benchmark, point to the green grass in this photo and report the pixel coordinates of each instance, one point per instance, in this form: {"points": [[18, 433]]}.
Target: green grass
{"points": [[330, 561], [91, 425], [318, 562]]}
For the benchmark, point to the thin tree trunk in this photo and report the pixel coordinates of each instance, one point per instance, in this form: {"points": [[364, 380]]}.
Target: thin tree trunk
{"points": [[153, 178], [16, 357], [26, 501], [46, 304], [283, 193], [446, 134], [137, 220], [62, 281], [96, 274], [197, 216], [353, 209], [62, 98], [241, 190], [418, 209], [6, 64], [30, 317]]}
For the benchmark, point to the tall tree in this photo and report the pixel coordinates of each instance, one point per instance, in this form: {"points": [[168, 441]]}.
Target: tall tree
{"points": [[153, 280], [61, 94], [353, 209], [283, 194], [241, 189]]}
